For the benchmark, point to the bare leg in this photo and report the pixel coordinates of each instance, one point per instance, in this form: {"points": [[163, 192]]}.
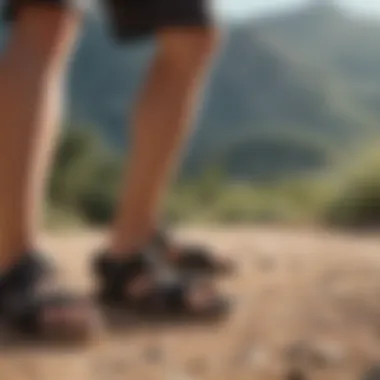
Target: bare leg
{"points": [[31, 74], [162, 120]]}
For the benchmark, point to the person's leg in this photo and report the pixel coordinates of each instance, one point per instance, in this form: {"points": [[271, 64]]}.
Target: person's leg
{"points": [[161, 125], [128, 272], [31, 74]]}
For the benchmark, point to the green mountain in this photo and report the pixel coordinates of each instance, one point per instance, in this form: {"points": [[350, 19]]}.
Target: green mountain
{"points": [[310, 75], [345, 48]]}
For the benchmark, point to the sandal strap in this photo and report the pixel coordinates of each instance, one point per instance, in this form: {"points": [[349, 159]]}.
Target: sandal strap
{"points": [[193, 258], [116, 275], [26, 314], [161, 239], [24, 293], [24, 274], [149, 261], [165, 299], [168, 289]]}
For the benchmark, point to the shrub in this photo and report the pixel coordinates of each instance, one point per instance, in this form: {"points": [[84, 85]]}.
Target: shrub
{"points": [[85, 177], [356, 201]]}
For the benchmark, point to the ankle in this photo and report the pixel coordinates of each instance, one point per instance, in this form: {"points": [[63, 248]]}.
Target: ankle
{"points": [[9, 259], [11, 254], [127, 245], [121, 252]]}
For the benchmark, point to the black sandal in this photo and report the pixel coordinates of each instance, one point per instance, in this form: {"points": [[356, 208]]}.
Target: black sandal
{"points": [[164, 295], [32, 307], [192, 259]]}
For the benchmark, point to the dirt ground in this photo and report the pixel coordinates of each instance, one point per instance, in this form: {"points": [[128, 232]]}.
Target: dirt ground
{"points": [[307, 307]]}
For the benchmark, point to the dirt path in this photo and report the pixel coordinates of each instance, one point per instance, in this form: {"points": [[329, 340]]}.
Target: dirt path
{"points": [[308, 304]]}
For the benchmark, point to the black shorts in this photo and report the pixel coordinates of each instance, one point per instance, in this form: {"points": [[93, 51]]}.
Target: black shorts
{"points": [[131, 19]]}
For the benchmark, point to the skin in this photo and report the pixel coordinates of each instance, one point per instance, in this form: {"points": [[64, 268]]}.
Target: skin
{"points": [[32, 71]]}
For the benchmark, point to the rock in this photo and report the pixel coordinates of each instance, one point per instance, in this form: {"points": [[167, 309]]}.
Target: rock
{"points": [[258, 357], [327, 354], [372, 374], [180, 376], [320, 355], [196, 366], [297, 352], [295, 374], [110, 367], [153, 354], [266, 263]]}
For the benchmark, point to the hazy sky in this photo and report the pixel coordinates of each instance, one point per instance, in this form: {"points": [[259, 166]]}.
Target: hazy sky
{"points": [[242, 8]]}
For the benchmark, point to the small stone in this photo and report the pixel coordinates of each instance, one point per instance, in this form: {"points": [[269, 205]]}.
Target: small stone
{"points": [[179, 376], [108, 367], [295, 374], [297, 352], [266, 263], [372, 374], [319, 355], [258, 357], [197, 366], [153, 354], [327, 354]]}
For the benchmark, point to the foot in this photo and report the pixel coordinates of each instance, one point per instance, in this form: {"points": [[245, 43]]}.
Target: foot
{"points": [[33, 305], [193, 259], [149, 287]]}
